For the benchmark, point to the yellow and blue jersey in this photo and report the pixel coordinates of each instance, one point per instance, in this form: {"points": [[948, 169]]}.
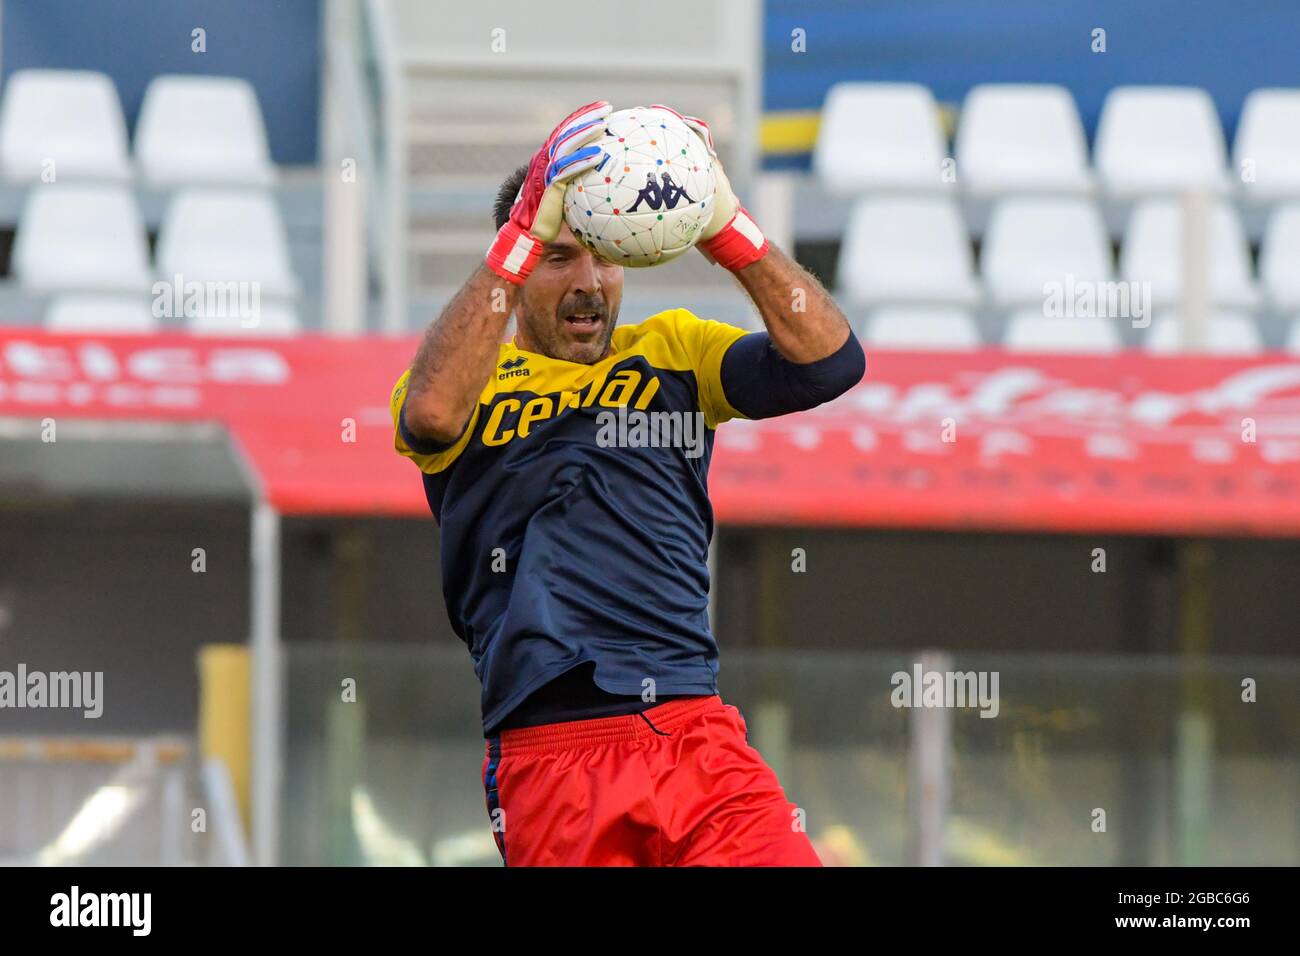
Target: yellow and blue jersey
{"points": [[567, 540]]}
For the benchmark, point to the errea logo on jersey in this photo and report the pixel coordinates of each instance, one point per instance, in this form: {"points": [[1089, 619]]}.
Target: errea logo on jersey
{"points": [[513, 368]]}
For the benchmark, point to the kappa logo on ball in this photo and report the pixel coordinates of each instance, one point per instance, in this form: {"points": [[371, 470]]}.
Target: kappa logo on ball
{"points": [[657, 197]]}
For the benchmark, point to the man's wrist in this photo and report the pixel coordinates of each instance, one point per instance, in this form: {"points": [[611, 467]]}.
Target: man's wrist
{"points": [[737, 244], [513, 253]]}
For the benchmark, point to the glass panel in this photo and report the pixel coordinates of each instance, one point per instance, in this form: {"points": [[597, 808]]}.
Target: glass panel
{"points": [[394, 777]]}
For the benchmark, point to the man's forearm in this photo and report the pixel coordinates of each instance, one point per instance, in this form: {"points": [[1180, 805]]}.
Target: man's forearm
{"points": [[457, 356], [801, 317]]}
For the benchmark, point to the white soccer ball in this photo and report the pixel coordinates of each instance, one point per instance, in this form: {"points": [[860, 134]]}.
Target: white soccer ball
{"points": [[651, 195]]}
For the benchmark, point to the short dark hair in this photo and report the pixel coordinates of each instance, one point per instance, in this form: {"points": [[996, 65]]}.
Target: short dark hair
{"points": [[506, 195]]}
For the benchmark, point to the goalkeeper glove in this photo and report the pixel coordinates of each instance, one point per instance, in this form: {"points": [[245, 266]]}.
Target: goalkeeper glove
{"points": [[731, 239], [538, 211]]}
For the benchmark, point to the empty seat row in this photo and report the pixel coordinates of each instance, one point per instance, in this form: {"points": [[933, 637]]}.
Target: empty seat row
{"points": [[1014, 138], [67, 125], [1031, 330], [84, 238], [914, 249]]}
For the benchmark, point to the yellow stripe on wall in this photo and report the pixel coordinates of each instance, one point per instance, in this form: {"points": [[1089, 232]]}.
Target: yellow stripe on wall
{"points": [[792, 131], [795, 131]]}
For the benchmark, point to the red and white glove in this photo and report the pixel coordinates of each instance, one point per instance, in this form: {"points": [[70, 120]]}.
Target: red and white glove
{"points": [[538, 211], [731, 239]]}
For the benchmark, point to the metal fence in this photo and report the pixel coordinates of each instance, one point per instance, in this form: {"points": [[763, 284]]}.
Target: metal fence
{"points": [[103, 801], [1082, 760]]}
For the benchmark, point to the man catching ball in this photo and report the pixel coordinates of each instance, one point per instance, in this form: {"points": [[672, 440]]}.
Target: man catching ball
{"points": [[575, 562]]}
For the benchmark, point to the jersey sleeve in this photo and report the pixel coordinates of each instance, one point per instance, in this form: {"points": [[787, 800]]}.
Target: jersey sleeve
{"points": [[761, 383], [706, 342], [431, 456]]}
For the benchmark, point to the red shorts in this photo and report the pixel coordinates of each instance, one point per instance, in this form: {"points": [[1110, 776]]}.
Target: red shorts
{"points": [[676, 786]]}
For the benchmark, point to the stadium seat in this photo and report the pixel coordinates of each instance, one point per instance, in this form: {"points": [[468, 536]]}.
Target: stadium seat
{"points": [[202, 130], [81, 238], [917, 327], [1230, 333], [1020, 138], [274, 318], [1159, 139], [1279, 258], [70, 118], [1153, 252], [1268, 138], [1029, 330], [907, 250], [89, 313], [880, 136], [226, 236], [1031, 242]]}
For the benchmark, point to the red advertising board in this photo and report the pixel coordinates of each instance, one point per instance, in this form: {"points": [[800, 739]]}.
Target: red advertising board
{"points": [[991, 440], [980, 440]]}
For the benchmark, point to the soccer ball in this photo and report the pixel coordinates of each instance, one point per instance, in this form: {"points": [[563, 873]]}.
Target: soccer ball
{"points": [[651, 195]]}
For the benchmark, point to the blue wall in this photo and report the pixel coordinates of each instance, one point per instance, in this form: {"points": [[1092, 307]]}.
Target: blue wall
{"points": [[1227, 46], [274, 45]]}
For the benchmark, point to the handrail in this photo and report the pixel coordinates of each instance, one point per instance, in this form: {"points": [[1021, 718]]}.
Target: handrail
{"points": [[42, 749]]}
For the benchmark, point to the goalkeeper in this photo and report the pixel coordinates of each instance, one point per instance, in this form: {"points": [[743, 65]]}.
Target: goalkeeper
{"points": [[575, 569]]}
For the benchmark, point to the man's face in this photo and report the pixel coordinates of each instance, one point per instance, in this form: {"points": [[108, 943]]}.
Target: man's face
{"points": [[569, 303]]}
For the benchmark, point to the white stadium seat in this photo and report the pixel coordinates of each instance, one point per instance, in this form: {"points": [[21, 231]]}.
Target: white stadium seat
{"points": [[202, 130], [1268, 139], [226, 236], [81, 238], [1016, 137], [90, 313], [273, 318], [1279, 258], [880, 136], [921, 328], [1229, 333], [1159, 139], [71, 119], [1153, 252], [1030, 242], [899, 250], [1029, 330]]}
